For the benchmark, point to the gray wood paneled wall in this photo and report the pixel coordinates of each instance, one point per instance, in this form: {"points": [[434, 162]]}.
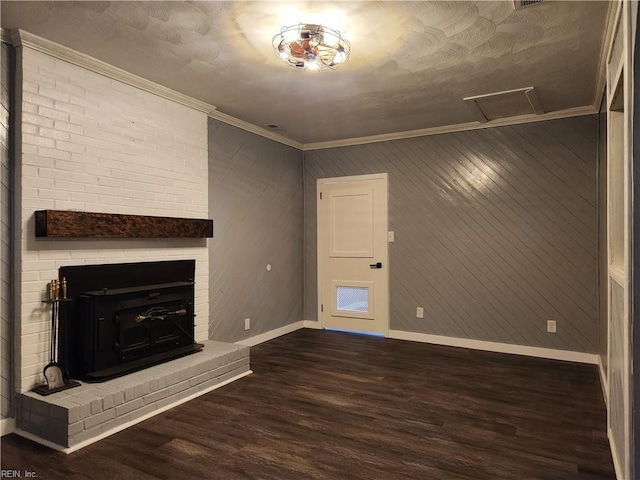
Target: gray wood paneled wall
{"points": [[5, 252], [256, 201], [495, 231]]}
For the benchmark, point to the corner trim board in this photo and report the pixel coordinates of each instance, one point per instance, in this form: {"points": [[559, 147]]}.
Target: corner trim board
{"points": [[539, 352], [617, 465], [604, 383], [607, 41]]}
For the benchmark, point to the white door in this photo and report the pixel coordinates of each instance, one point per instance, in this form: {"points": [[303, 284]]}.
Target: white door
{"points": [[353, 278]]}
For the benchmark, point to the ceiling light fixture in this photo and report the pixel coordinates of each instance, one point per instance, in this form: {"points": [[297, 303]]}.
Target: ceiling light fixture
{"points": [[311, 47]]}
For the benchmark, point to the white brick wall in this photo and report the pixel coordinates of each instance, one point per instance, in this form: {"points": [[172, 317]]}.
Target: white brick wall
{"points": [[94, 144]]}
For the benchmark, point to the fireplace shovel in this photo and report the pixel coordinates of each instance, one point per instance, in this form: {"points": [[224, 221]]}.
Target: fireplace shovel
{"points": [[54, 377], [53, 372]]}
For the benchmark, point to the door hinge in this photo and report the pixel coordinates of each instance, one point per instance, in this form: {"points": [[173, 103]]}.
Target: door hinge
{"points": [[322, 307], [320, 195]]}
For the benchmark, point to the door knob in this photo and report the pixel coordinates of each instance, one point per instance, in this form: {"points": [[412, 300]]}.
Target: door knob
{"points": [[376, 265]]}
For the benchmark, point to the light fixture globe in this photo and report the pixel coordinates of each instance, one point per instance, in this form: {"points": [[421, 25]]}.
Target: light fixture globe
{"points": [[311, 47]]}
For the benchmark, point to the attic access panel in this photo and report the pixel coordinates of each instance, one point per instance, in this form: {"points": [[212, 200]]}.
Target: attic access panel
{"points": [[509, 103]]}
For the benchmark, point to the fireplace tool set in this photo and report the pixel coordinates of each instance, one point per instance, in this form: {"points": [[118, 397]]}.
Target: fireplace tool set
{"points": [[55, 379]]}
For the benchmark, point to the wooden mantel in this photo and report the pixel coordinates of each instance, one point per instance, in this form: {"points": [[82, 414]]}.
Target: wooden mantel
{"points": [[71, 224]]}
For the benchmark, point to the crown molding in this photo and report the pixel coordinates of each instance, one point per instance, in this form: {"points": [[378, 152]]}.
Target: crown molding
{"points": [[605, 47], [250, 127], [460, 127], [21, 38]]}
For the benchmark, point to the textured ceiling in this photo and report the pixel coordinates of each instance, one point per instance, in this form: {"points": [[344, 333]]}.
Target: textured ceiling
{"points": [[411, 62]]}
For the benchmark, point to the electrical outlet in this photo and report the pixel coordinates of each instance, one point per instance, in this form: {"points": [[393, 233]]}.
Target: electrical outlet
{"points": [[551, 326], [420, 312], [247, 323]]}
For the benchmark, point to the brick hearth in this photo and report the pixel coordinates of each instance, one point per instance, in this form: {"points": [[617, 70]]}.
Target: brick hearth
{"points": [[73, 418]]}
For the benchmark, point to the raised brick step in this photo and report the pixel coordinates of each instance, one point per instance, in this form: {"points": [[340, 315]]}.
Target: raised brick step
{"points": [[75, 417]]}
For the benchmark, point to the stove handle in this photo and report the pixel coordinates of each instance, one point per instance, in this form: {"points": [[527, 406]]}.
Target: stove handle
{"points": [[101, 333]]}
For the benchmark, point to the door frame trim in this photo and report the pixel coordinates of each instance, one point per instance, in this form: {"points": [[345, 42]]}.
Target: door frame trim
{"points": [[336, 180]]}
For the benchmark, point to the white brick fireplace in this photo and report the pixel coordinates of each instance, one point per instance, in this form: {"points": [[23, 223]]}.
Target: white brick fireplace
{"points": [[89, 142]]}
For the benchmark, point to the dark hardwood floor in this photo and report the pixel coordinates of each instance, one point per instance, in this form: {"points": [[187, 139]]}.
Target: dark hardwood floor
{"points": [[333, 405]]}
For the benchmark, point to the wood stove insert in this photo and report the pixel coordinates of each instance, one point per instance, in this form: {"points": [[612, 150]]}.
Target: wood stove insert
{"points": [[125, 317]]}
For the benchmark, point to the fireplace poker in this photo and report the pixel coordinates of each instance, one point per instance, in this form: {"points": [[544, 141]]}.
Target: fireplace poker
{"points": [[52, 371]]}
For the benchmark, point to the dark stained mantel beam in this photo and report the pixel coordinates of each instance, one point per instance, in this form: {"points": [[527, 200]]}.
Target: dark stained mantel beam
{"points": [[71, 224]]}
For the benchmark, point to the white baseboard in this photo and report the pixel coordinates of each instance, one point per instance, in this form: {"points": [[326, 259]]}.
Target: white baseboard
{"points": [[108, 433], [539, 352], [566, 355], [7, 426], [271, 334]]}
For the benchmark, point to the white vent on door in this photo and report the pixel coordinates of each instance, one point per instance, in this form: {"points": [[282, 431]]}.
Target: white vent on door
{"points": [[352, 299], [518, 4]]}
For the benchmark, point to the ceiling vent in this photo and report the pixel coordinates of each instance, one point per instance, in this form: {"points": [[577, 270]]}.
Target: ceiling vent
{"points": [[518, 4]]}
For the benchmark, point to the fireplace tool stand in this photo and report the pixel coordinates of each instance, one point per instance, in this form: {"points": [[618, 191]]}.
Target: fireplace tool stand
{"points": [[55, 378]]}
